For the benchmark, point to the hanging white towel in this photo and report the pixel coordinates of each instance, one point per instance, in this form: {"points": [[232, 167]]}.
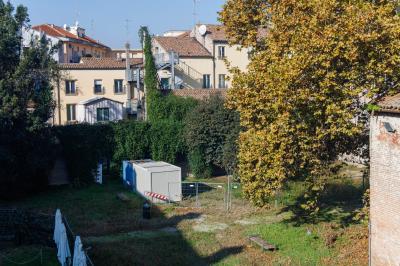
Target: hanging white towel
{"points": [[57, 227], [63, 248], [79, 255]]}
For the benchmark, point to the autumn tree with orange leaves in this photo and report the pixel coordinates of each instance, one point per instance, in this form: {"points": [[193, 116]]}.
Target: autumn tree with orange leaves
{"points": [[313, 63]]}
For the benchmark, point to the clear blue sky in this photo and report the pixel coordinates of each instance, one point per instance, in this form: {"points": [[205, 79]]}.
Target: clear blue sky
{"points": [[106, 20]]}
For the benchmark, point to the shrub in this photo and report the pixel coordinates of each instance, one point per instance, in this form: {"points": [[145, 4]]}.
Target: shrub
{"points": [[132, 141], [167, 142], [83, 146], [211, 133]]}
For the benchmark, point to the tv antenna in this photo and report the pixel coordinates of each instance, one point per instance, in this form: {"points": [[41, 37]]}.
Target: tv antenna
{"points": [[127, 21], [195, 11], [92, 27]]}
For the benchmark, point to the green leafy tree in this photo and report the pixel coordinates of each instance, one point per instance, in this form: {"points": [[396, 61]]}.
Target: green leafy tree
{"points": [[26, 105], [211, 134], [300, 100]]}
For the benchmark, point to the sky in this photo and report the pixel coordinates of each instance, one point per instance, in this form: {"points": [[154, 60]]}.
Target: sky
{"points": [[106, 20]]}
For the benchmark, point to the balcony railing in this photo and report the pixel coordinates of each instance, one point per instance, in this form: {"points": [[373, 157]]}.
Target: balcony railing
{"points": [[162, 59]]}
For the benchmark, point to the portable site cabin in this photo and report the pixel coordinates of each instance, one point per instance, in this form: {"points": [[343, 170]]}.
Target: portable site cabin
{"points": [[147, 176]]}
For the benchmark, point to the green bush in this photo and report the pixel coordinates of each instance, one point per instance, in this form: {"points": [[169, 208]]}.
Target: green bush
{"points": [[83, 146], [211, 133], [132, 141], [198, 165], [167, 142], [169, 107]]}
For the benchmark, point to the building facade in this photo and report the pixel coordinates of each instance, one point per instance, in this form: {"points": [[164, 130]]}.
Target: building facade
{"points": [[121, 53], [197, 58], [385, 183], [95, 82], [72, 41]]}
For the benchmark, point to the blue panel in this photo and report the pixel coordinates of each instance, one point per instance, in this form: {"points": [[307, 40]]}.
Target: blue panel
{"points": [[124, 164]]}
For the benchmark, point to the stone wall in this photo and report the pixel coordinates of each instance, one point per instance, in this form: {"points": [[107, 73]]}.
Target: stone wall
{"points": [[385, 190]]}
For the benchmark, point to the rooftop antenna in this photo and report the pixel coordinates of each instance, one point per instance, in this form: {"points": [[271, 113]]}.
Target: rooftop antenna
{"points": [[127, 21], [195, 11], [77, 14], [92, 27]]}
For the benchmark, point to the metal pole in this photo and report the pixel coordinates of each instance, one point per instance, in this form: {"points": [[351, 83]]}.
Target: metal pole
{"points": [[144, 75], [172, 62], [197, 194], [229, 193]]}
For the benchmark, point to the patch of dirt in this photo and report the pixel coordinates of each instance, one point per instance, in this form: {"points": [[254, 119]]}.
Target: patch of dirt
{"points": [[209, 227]]}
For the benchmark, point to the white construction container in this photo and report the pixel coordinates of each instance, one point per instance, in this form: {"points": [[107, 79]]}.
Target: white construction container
{"points": [[158, 177]]}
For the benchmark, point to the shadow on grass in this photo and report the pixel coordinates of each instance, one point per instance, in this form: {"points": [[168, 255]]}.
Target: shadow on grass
{"points": [[115, 231], [338, 203], [154, 246]]}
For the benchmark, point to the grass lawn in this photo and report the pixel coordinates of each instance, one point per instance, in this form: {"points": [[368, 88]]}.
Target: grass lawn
{"points": [[117, 235], [29, 256]]}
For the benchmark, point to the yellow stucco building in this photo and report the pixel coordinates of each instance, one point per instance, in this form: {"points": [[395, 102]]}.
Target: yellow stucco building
{"points": [[196, 59], [96, 89]]}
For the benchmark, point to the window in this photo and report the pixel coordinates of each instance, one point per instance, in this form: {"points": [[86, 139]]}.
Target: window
{"points": [[71, 112], [221, 52], [70, 87], [221, 81], [206, 81], [103, 114], [118, 86], [98, 86]]}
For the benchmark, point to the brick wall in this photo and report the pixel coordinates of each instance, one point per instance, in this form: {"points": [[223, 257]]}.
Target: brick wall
{"points": [[385, 190]]}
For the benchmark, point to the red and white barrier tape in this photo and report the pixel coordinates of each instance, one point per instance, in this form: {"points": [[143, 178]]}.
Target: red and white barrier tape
{"points": [[156, 195]]}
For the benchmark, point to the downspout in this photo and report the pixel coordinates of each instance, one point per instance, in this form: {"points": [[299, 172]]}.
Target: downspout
{"points": [[213, 65], [58, 101]]}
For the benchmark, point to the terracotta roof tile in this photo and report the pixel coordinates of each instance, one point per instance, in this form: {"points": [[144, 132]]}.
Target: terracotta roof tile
{"points": [[390, 103], [184, 46], [216, 32], [56, 31], [101, 63], [199, 94]]}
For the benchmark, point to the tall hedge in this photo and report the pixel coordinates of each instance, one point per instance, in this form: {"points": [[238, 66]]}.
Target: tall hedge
{"points": [[82, 147], [211, 135]]}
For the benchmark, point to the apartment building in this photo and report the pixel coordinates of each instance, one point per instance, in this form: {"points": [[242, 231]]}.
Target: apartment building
{"points": [[98, 89], [197, 58], [121, 53], [72, 41]]}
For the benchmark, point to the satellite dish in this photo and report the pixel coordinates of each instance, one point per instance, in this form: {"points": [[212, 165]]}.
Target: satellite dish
{"points": [[203, 30]]}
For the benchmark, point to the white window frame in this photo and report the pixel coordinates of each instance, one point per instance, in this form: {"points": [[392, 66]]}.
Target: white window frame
{"points": [[71, 112], [221, 52], [222, 85], [102, 114], [68, 87], [120, 88], [101, 86], [206, 81]]}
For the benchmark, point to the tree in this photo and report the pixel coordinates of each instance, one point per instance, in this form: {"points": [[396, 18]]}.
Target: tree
{"points": [[304, 91], [211, 134], [26, 105]]}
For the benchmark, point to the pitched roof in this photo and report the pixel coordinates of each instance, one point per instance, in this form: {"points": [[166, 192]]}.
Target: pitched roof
{"points": [[390, 103], [97, 99], [183, 45], [216, 32], [199, 94], [56, 31], [101, 63]]}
